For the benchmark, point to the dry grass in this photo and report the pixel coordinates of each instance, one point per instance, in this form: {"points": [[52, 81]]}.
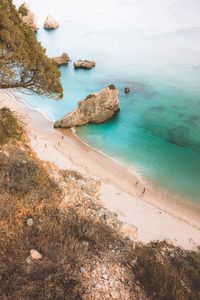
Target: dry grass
{"points": [[168, 272]]}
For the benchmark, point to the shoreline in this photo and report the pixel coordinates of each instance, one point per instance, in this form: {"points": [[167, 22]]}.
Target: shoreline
{"points": [[181, 203], [145, 183], [119, 191]]}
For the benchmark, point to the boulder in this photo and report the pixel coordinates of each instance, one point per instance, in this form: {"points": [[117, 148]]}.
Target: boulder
{"points": [[84, 64], [50, 23], [29, 222], [96, 108], [62, 60], [35, 255], [27, 16]]}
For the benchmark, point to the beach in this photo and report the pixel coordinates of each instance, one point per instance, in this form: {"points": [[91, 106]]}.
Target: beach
{"points": [[152, 211]]}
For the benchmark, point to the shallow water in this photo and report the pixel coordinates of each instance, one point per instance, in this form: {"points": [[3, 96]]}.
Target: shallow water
{"points": [[152, 46]]}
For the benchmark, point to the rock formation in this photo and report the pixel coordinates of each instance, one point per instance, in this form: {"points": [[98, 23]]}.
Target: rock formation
{"points": [[50, 23], [96, 108], [27, 16], [127, 90], [84, 64], [62, 60]]}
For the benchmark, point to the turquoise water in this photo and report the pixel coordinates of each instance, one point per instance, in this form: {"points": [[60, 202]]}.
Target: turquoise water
{"points": [[152, 46]]}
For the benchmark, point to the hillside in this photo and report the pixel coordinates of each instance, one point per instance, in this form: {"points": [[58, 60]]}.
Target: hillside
{"points": [[81, 250]]}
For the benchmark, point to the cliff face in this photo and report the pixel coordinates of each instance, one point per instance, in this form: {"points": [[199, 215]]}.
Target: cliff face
{"points": [[27, 16], [96, 108], [57, 239]]}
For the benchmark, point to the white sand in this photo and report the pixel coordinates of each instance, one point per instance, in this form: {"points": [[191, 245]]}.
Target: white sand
{"points": [[156, 216]]}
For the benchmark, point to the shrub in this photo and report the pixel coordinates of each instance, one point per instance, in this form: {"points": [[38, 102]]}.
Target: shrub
{"points": [[9, 126], [112, 87]]}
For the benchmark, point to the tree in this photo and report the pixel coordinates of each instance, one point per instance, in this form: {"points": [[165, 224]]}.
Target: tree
{"points": [[23, 62]]}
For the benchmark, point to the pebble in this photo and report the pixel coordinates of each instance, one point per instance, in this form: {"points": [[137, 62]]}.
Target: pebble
{"points": [[134, 262], [28, 260], [115, 295], [137, 289], [29, 222], [85, 243], [112, 282], [172, 255], [35, 255], [105, 276], [82, 270]]}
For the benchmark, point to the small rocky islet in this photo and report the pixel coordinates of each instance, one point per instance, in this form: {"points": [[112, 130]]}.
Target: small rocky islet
{"points": [[84, 64], [96, 108], [50, 23]]}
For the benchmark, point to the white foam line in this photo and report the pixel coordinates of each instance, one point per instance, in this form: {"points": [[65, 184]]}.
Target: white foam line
{"points": [[44, 113]]}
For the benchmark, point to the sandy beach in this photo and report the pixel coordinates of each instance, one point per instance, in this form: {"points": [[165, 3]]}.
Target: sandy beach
{"points": [[155, 214]]}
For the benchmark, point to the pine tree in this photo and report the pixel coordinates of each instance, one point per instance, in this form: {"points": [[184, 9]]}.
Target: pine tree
{"points": [[23, 61]]}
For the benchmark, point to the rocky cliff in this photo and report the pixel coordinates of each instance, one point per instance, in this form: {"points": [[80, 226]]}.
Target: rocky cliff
{"points": [[27, 16], [96, 108]]}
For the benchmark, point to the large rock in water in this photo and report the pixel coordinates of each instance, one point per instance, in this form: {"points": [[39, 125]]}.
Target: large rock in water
{"points": [[84, 64], [96, 108], [50, 23], [27, 16], [62, 60]]}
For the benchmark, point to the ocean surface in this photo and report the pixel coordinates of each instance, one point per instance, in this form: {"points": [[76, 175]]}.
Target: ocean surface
{"points": [[153, 47]]}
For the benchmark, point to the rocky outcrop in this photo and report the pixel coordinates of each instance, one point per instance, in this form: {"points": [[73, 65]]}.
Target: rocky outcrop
{"points": [[127, 90], [84, 64], [96, 108], [50, 23], [27, 16], [62, 60]]}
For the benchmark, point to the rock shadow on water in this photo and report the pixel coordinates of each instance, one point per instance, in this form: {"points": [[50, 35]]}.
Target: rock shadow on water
{"points": [[157, 108], [180, 136], [193, 120]]}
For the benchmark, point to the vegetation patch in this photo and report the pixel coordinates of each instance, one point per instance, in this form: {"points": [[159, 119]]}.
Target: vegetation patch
{"points": [[22, 10], [24, 63], [9, 126], [167, 272], [112, 87], [89, 96]]}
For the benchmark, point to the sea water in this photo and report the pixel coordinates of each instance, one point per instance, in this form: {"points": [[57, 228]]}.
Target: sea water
{"points": [[151, 46]]}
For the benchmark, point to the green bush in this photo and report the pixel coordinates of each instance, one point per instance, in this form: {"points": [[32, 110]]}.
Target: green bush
{"points": [[112, 87]]}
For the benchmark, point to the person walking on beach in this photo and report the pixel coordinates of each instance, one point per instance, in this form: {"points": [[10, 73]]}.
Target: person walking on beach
{"points": [[143, 192], [136, 183]]}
